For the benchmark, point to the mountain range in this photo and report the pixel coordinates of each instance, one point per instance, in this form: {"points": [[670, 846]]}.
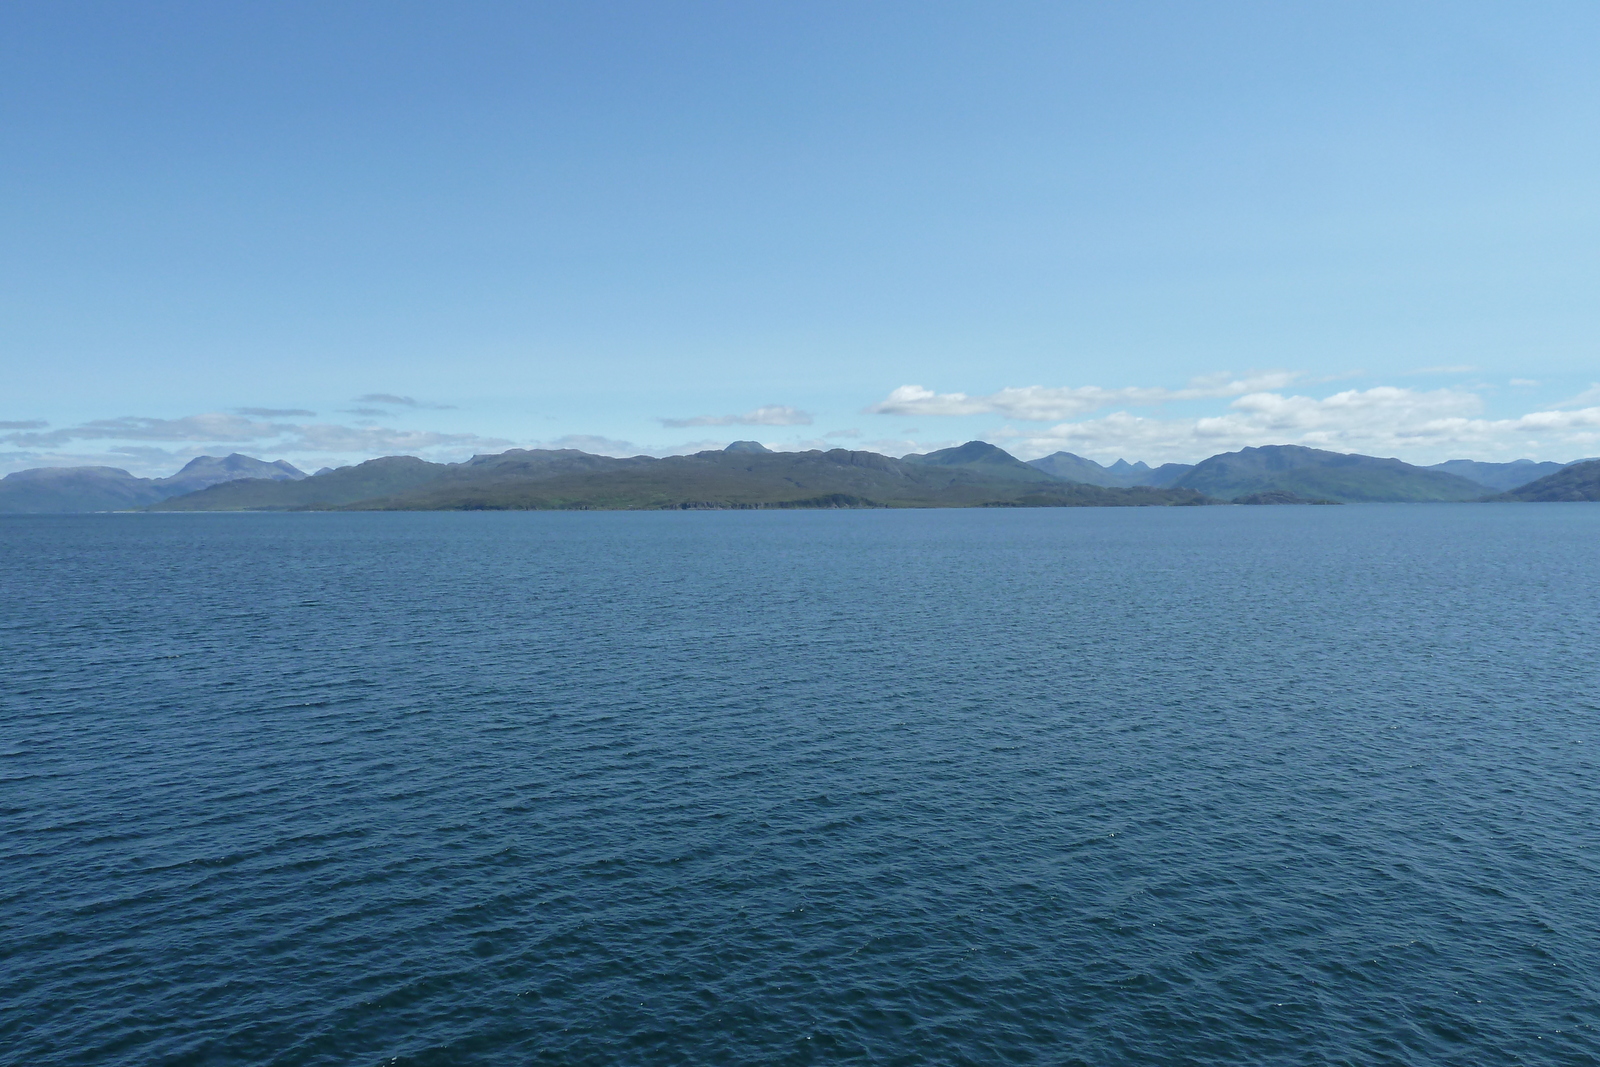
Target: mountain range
{"points": [[46, 490], [748, 475], [744, 475], [1501, 476]]}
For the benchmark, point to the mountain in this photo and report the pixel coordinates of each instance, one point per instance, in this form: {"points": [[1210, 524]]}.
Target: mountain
{"points": [[1167, 475], [1312, 472], [983, 459], [375, 477], [971, 475], [53, 490], [1580, 481], [1072, 468], [56, 490], [1128, 473], [205, 471], [1501, 476]]}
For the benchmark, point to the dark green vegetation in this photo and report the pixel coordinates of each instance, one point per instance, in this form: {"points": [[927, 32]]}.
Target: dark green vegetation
{"points": [[1313, 473], [1277, 496], [975, 474], [52, 490], [1581, 481]]}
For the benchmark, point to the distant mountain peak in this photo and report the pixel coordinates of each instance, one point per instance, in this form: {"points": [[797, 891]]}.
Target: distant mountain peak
{"points": [[1121, 474], [991, 460], [747, 446], [202, 472]]}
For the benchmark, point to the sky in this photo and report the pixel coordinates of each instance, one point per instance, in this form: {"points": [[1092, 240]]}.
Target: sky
{"points": [[335, 230]]}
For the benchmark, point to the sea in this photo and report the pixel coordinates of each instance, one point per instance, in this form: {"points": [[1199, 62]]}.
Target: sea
{"points": [[1199, 786]]}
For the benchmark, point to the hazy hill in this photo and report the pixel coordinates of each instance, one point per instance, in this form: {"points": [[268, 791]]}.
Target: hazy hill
{"points": [[1314, 473], [51, 490], [1074, 468], [1498, 475], [376, 477], [55, 490], [1580, 481], [1166, 476], [205, 471]]}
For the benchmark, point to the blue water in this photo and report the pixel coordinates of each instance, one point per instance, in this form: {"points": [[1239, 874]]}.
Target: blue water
{"points": [[1079, 786]]}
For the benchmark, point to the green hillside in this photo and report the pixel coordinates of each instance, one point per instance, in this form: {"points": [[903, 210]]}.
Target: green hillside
{"points": [[1581, 481], [376, 477]]}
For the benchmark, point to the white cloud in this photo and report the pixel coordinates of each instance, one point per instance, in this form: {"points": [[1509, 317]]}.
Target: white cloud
{"points": [[595, 445], [770, 415], [380, 440], [1039, 403], [1588, 398], [610, 446], [214, 426], [401, 401], [1418, 426], [129, 442]]}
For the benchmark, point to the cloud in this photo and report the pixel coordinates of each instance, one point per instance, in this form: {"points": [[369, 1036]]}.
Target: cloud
{"points": [[1588, 398], [1523, 383], [276, 413], [401, 401], [1423, 426], [380, 440], [1038, 403], [1457, 368], [136, 438], [599, 446], [215, 426], [364, 411], [27, 424], [770, 415]]}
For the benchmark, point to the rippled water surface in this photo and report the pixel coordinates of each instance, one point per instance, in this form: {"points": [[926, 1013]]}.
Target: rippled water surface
{"points": [[1191, 785]]}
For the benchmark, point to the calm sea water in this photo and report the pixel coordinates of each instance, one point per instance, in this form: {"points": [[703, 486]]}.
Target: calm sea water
{"points": [[1144, 786]]}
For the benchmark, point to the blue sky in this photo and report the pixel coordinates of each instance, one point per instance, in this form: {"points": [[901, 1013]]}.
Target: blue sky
{"points": [[327, 231]]}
